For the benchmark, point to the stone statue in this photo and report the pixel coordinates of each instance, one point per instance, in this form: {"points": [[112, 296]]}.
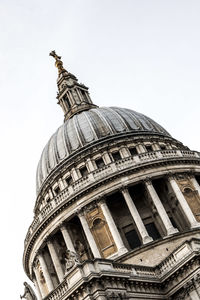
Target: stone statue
{"points": [[71, 259], [28, 292]]}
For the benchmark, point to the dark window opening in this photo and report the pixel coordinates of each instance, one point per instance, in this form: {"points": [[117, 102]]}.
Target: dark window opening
{"points": [[116, 155], [65, 98], [100, 163], [84, 95], [133, 239], [57, 190], [162, 147], [188, 191], [133, 151], [48, 200], [152, 231], [198, 179], [173, 222], [69, 180], [83, 171], [149, 148]]}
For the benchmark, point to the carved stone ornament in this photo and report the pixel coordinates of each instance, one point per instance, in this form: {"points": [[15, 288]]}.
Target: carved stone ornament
{"points": [[117, 296], [29, 294], [71, 259]]}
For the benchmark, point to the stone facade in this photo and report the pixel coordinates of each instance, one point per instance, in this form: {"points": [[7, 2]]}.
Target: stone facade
{"points": [[117, 214]]}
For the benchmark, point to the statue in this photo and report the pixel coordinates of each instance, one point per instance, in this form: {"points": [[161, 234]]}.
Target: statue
{"points": [[28, 292], [71, 259]]}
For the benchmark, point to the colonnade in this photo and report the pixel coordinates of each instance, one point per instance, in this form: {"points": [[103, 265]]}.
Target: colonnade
{"points": [[144, 236]]}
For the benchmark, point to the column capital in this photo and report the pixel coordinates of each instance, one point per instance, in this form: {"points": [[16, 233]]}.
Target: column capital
{"points": [[80, 212], [39, 252], [62, 224], [92, 205], [171, 175], [124, 189], [47, 239], [147, 181], [102, 201], [35, 263]]}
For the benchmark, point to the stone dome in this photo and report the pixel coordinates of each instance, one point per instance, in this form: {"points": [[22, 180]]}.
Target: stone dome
{"points": [[88, 127]]}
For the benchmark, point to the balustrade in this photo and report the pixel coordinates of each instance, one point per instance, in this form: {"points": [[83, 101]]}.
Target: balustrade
{"points": [[105, 171], [156, 273]]}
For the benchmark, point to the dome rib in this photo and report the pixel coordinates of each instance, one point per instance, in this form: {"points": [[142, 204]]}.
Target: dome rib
{"points": [[88, 127]]}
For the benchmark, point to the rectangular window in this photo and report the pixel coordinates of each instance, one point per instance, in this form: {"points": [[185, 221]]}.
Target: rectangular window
{"points": [[148, 148], [65, 98], [162, 147], [48, 200], [116, 156], [69, 180], [100, 163], [83, 171], [173, 222], [133, 239], [152, 231], [84, 95], [133, 151], [57, 190]]}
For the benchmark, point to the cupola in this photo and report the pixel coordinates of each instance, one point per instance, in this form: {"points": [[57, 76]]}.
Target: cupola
{"points": [[72, 96]]}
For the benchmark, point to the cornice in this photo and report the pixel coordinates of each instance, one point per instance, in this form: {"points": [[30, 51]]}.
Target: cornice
{"points": [[59, 208]]}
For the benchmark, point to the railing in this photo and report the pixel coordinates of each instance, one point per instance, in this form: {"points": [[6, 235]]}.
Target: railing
{"points": [[58, 292], [105, 172], [100, 267]]}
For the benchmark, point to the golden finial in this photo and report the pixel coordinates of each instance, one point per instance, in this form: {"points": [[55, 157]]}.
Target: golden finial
{"points": [[58, 62]]}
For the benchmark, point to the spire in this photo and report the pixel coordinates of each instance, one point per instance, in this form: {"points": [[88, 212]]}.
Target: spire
{"points": [[72, 96]]}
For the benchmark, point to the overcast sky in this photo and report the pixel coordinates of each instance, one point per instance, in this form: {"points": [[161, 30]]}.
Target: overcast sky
{"points": [[143, 55]]}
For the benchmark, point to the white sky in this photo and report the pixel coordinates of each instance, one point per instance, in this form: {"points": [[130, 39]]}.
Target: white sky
{"points": [[139, 54]]}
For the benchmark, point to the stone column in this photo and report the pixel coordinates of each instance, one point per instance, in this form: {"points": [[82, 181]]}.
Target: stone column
{"points": [[55, 259], [37, 288], [113, 228], [160, 208], [67, 238], [136, 217], [89, 235], [195, 184], [183, 203], [46, 273], [38, 280], [193, 295]]}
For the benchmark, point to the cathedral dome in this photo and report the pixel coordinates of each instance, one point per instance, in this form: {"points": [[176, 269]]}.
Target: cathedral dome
{"points": [[89, 127], [117, 206]]}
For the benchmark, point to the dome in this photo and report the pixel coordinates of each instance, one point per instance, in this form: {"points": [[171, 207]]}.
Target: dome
{"points": [[88, 127]]}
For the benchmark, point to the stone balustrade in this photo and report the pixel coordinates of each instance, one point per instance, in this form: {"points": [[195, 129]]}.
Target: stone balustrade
{"points": [[58, 292], [103, 173], [103, 267]]}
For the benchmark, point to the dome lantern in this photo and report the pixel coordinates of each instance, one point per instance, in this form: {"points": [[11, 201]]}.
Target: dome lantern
{"points": [[72, 96]]}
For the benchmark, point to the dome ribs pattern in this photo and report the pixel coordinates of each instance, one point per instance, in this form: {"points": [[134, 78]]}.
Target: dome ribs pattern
{"points": [[72, 135], [128, 118], [87, 116], [60, 143], [66, 140], [89, 127], [78, 130], [101, 130], [118, 118], [105, 119]]}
